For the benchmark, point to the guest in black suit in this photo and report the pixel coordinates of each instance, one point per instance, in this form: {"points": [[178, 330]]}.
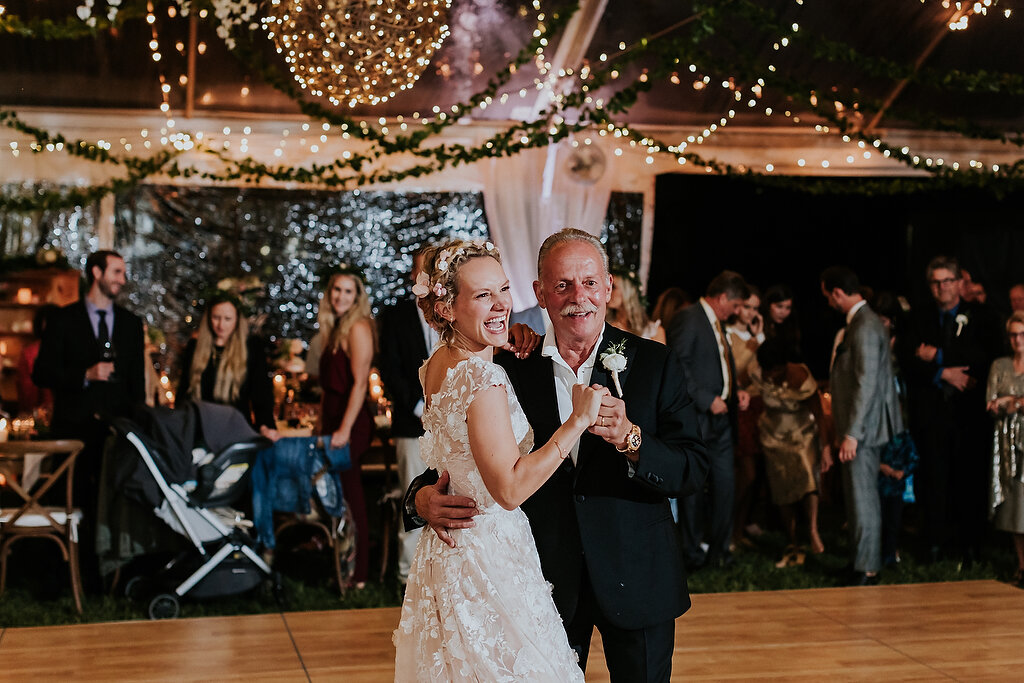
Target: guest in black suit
{"points": [[698, 336], [945, 354], [602, 522], [91, 357], [224, 364], [405, 343], [91, 354]]}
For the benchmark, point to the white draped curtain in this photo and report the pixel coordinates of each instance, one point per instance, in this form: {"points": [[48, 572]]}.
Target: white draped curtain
{"points": [[529, 196]]}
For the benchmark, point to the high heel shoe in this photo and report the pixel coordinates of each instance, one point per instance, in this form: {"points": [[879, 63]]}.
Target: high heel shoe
{"points": [[793, 557]]}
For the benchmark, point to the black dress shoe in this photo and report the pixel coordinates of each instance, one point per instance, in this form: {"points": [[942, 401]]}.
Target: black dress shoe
{"points": [[862, 579]]}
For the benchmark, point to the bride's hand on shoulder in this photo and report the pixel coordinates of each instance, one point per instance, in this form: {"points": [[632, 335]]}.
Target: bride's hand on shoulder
{"points": [[522, 340], [586, 402]]}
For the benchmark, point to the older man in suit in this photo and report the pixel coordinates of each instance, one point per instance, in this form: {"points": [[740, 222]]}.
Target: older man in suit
{"points": [[946, 349], [602, 522], [866, 412], [697, 334]]}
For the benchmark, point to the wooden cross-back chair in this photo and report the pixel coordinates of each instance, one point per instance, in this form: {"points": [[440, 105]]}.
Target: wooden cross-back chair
{"points": [[19, 461]]}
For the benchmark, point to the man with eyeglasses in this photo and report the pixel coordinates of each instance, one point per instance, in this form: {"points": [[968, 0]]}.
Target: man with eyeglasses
{"points": [[945, 354]]}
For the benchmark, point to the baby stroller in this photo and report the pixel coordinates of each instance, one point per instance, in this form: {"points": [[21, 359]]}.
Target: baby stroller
{"points": [[189, 466]]}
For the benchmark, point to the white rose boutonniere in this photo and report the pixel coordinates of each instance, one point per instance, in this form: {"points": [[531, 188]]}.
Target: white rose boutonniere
{"points": [[961, 320], [614, 361]]}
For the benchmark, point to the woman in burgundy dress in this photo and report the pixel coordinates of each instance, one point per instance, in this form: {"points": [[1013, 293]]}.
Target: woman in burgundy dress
{"points": [[348, 343]]}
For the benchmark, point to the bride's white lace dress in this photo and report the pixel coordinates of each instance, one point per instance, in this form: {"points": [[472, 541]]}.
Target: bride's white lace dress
{"points": [[481, 611]]}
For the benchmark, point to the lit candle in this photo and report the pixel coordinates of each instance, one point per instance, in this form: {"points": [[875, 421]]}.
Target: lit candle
{"points": [[3, 429], [24, 296]]}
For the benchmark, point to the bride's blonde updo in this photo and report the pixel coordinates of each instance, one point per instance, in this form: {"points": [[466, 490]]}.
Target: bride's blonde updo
{"points": [[439, 282]]}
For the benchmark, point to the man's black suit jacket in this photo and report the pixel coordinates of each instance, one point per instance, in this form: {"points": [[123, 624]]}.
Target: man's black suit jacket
{"points": [[69, 348], [692, 337], [594, 513], [977, 344], [402, 351]]}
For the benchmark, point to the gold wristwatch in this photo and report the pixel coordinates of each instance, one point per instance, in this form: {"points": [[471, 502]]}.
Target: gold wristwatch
{"points": [[633, 441]]}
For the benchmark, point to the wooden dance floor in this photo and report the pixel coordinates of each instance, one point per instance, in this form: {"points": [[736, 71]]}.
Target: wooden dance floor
{"points": [[945, 631]]}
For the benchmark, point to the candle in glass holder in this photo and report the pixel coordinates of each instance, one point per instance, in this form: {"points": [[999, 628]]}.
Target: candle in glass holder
{"points": [[3, 429], [24, 296]]}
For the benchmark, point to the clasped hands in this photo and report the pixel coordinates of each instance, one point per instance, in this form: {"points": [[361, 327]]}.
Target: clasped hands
{"points": [[1006, 404], [955, 375], [594, 405], [610, 421]]}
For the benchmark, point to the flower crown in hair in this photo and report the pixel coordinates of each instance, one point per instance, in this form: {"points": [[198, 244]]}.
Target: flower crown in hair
{"points": [[444, 260]]}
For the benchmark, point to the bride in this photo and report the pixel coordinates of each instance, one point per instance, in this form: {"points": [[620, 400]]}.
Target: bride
{"points": [[481, 610]]}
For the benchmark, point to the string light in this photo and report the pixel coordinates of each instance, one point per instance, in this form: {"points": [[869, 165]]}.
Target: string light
{"points": [[359, 52]]}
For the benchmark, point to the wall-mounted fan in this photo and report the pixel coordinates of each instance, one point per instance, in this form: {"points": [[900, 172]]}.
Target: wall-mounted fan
{"points": [[586, 164]]}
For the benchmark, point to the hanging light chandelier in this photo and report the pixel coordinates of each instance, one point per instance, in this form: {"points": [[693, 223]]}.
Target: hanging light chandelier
{"points": [[357, 51]]}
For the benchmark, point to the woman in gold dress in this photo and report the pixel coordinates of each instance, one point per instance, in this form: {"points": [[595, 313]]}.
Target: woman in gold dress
{"points": [[789, 432]]}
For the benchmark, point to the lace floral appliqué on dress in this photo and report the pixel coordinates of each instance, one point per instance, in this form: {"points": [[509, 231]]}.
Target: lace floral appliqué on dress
{"points": [[481, 611]]}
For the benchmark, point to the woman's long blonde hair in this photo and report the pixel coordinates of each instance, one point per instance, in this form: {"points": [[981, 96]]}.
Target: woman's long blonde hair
{"points": [[334, 330], [632, 305], [231, 370]]}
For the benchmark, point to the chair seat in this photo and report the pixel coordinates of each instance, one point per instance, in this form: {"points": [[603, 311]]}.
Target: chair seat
{"points": [[39, 521]]}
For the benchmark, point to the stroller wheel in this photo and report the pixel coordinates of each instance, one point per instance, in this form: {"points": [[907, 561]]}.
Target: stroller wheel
{"points": [[135, 589], [164, 606]]}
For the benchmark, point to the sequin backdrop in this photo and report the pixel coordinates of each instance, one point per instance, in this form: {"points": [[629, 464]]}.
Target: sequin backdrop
{"points": [[72, 231], [179, 241]]}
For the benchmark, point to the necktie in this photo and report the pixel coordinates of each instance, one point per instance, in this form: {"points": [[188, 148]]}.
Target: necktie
{"points": [[726, 356], [947, 330], [103, 335], [835, 345]]}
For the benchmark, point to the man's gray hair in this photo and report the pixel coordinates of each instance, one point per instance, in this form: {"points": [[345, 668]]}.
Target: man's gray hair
{"points": [[570, 235], [944, 262]]}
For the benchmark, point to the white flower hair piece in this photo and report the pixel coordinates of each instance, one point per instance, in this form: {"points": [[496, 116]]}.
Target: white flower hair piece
{"points": [[422, 286]]}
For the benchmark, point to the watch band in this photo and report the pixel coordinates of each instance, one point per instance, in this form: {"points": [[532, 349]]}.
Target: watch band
{"points": [[633, 441]]}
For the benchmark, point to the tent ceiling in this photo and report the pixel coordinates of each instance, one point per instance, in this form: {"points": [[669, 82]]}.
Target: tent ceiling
{"points": [[116, 71]]}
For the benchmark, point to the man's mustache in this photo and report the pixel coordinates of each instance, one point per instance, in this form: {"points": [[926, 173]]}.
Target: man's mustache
{"points": [[577, 309]]}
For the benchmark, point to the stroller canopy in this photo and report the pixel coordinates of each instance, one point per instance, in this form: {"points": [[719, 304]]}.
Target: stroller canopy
{"points": [[170, 436]]}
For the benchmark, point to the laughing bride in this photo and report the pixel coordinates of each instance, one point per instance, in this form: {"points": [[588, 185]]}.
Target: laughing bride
{"points": [[481, 610]]}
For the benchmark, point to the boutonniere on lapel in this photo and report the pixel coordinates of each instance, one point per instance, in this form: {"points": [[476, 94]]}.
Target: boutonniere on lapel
{"points": [[960, 320], [614, 361]]}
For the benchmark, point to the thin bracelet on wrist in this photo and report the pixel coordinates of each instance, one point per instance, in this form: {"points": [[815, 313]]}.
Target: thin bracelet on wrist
{"points": [[559, 447]]}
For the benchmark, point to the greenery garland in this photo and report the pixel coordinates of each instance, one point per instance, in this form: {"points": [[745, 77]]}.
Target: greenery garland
{"points": [[667, 52]]}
